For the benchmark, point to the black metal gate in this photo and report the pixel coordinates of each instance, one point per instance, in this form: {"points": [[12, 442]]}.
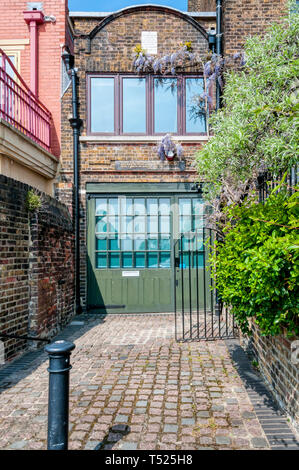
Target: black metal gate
{"points": [[199, 315]]}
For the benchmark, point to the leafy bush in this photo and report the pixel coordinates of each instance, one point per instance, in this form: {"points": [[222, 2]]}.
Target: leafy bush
{"points": [[256, 268], [257, 129]]}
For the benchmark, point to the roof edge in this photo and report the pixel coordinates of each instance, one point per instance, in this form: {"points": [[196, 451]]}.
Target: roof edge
{"points": [[103, 14]]}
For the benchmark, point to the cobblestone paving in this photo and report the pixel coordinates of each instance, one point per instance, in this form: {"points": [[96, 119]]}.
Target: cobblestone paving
{"points": [[133, 387]]}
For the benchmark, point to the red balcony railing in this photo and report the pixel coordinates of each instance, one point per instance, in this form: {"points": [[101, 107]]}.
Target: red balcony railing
{"points": [[20, 107]]}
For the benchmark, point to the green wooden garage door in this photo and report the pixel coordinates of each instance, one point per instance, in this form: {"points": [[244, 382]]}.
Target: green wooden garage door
{"points": [[129, 239]]}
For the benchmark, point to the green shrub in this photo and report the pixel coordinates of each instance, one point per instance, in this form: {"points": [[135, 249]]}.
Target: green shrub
{"points": [[256, 268], [257, 128], [33, 201]]}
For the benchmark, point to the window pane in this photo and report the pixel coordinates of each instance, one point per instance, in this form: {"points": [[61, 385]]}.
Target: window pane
{"points": [[198, 206], [195, 119], [166, 102], [139, 244], [134, 105], [101, 224], [140, 260], [139, 224], [153, 260], [126, 206], [164, 205], [127, 225], [101, 206], [101, 243], [152, 224], [185, 260], [185, 206], [165, 244], [152, 243], [164, 224], [127, 244], [198, 222], [152, 206], [113, 206], [185, 224], [113, 224], [113, 260], [127, 260], [102, 104], [165, 260], [101, 260], [114, 244], [186, 243], [139, 207], [198, 260], [199, 243], [8, 68]]}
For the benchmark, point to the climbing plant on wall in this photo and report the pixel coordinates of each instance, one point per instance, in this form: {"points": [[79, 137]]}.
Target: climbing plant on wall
{"points": [[257, 130], [183, 59]]}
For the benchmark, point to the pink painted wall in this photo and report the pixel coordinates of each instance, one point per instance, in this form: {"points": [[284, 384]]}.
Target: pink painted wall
{"points": [[50, 38]]}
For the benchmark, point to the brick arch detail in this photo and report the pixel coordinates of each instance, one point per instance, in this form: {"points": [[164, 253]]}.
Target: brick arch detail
{"points": [[142, 8]]}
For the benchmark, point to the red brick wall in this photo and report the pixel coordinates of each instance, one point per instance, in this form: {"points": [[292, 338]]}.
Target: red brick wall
{"points": [[277, 359], [50, 38], [243, 18], [36, 267], [14, 263], [201, 5]]}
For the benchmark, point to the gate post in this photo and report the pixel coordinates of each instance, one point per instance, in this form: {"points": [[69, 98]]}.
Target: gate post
{"points": [[58, 404]]}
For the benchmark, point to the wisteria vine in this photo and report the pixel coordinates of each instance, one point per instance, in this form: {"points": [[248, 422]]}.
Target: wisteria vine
{"points": [[212, 67], [168, 149]]}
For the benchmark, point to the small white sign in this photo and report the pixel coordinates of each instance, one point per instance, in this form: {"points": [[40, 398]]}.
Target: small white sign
{"points": [[130, 273], [149, 41]]}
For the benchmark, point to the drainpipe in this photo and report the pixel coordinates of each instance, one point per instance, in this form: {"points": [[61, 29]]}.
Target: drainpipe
{"points": [[218, 46], [33, 18], [76, 124]]}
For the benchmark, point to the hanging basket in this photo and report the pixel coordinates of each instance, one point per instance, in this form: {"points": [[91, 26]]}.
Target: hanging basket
{"points": [[170, 155]]}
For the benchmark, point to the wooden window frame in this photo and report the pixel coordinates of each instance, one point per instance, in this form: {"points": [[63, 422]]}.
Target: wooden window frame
{"points": [[150, 96]]}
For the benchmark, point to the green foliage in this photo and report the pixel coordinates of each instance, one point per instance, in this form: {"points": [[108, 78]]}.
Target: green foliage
{"points": [[256, 269], [257, 129], [33, 201]]}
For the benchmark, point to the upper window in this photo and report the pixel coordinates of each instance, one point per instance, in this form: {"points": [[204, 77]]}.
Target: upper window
{"points": [[8, 68], [126, 104]]}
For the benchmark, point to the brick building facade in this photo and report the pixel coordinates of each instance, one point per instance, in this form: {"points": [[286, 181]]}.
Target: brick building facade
{"points": [[114, 165], [36, 247], [104, 48], [36, 268], [242, 19], [53, 35], [121, 179]]}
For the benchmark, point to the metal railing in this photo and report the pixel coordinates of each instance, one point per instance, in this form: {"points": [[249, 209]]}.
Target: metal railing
{"points": [[20, 107], [267, 182], [198, 313]]}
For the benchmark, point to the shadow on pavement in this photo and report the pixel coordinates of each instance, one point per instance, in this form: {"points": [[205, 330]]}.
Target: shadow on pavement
{"points": [[115, 434], [20, 368]]}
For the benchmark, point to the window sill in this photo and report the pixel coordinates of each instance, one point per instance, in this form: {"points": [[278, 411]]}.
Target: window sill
{"points": [[129, 139]]}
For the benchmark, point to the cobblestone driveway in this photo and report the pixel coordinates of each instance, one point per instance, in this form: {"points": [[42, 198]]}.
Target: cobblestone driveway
{"points": [[134, 387]]}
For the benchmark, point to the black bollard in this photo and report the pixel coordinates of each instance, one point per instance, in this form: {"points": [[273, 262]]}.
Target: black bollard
{"points": [[58, 408]]}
